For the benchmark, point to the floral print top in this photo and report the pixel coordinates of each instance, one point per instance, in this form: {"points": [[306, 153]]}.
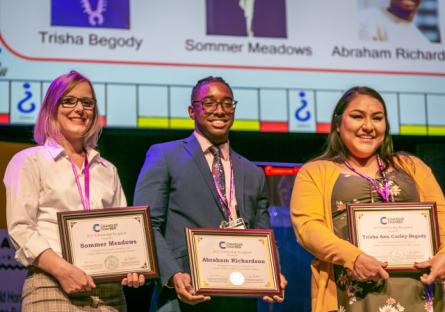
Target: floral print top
{"points": [[351, 188], [395, 294]]}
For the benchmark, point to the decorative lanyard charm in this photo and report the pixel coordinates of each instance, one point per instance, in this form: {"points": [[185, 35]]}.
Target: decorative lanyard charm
{"points": [[233, 224]]}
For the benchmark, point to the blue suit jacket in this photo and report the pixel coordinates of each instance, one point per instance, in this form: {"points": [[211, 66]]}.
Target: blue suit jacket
{"points": [[176, 182]]}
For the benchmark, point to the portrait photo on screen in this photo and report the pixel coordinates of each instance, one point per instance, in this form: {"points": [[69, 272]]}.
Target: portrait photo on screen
{"points": [[247, 18], [398, 21]]}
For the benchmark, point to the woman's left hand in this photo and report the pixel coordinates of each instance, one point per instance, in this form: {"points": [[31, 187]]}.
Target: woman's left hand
{"points": [[133, 280], [437, 269]]}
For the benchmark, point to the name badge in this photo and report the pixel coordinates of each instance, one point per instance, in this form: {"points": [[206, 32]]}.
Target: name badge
{"points": [[233, 224]]}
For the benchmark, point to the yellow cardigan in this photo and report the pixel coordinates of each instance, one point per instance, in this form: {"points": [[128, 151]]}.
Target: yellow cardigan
{"points": [[311, 216]]}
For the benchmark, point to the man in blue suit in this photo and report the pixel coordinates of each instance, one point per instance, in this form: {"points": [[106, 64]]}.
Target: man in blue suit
{"points": [[200, 182]]}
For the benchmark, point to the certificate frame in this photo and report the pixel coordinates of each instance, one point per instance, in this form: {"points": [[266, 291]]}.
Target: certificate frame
{"points": [[261, 237], [123, 255], [393, 229]]}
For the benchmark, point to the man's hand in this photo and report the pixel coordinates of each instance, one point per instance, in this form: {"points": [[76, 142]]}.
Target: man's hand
{"points": [[133, 280], [437, 271], [368, 268], [184, 289], [276, 298]]}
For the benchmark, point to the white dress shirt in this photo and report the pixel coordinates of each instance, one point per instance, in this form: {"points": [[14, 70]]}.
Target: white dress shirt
{"points": [[225, 151], [39, 183]]}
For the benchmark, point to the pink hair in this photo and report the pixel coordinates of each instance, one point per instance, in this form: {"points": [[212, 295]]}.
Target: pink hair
{"points": [[47, 126]]}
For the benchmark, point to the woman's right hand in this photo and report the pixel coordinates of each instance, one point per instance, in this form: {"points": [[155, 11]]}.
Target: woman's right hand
{"points": [[73, 280], [368, 268]]}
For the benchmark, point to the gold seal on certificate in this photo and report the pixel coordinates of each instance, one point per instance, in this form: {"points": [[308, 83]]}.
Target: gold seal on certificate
{"points": [[233, 262], [109, 243], [399, 233]]}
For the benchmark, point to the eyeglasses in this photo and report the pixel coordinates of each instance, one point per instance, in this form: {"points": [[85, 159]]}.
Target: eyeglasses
{"points": [[71, 102], [210, 105]]}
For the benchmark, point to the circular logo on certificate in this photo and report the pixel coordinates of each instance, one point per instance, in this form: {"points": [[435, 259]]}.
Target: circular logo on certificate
{"points": [[111, 263], [237, 278]]}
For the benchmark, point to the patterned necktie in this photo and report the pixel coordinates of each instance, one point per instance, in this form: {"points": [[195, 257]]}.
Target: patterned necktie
{"points": [[219, 176]]}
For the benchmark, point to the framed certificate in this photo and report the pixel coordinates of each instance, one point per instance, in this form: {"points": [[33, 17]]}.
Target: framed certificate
{"points": [[109, 243], [399, 233], [233, 262]]}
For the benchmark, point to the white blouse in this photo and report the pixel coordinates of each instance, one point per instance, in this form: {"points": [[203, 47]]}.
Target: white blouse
{"points": [[39, 183]]}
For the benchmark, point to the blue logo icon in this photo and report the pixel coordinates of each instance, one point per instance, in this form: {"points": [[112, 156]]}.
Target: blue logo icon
{"points": [[222, 244], [91, 13], [96, 227], [24, 105], [383, 220], [301, 114]]}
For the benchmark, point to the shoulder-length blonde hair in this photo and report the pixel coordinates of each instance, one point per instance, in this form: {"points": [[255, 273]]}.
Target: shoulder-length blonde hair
{"points": [[47, 126]]}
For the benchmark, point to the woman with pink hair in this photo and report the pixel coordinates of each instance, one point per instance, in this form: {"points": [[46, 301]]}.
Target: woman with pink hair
{"points": [[58, 175]]}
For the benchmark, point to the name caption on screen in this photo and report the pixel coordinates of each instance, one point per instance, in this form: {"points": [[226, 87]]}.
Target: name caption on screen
{"points": [[249, 47], [396, 53], [93, 40]]}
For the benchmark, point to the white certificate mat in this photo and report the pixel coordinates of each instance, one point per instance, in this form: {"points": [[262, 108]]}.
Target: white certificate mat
{"points": [[399, 233], [233, 262]]}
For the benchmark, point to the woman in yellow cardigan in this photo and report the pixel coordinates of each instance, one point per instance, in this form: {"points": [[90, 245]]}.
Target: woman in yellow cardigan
{"points": [[359, 166]]}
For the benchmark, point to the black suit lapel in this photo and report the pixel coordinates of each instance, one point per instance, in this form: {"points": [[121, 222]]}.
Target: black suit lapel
{"points": [[194, 149]]}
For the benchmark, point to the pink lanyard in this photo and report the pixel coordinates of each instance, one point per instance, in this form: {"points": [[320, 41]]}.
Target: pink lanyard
{"points": [[384, 191], [84, 199], [224, 198]]}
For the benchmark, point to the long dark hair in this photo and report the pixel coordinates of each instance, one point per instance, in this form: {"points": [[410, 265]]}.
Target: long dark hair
{"points": [[335, 148]]}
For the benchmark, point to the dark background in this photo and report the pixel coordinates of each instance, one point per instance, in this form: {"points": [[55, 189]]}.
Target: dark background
{"points": [[126, 148]]}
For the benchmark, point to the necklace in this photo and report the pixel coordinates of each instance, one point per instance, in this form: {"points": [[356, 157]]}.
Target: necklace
{"points": [[382, 191], [95, 17]]}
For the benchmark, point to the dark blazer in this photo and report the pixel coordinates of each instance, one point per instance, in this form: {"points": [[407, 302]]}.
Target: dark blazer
{"points": [[176, 182]]}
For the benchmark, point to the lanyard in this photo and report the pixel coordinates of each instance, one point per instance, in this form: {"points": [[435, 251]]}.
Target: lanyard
{"points": [[84, 199], [429, 294], [226, 202], [384, 191]]}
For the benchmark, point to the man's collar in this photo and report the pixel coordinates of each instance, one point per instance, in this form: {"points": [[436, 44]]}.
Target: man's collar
{"points": [[205, 144]]}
